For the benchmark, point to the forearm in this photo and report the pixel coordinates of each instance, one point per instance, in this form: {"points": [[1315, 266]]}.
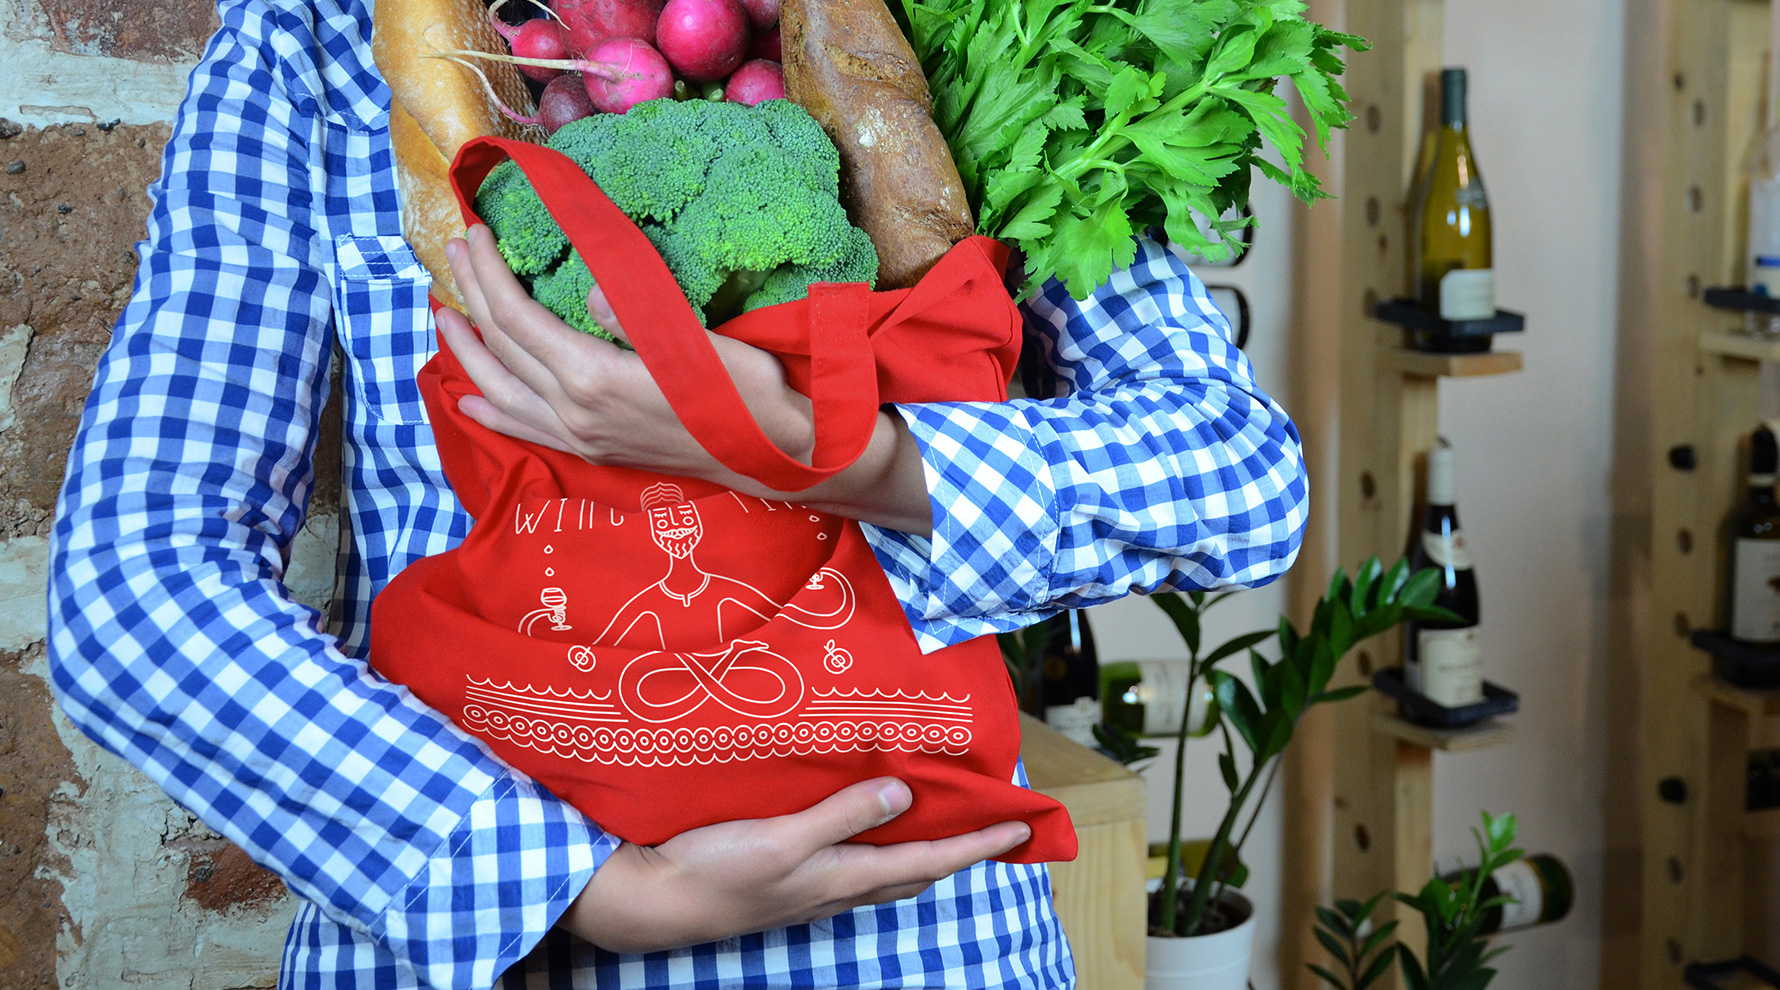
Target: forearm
{"points": [[1164, 466]]}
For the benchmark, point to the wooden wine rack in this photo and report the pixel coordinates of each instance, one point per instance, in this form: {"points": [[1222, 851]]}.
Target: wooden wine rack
{"points": [[1368, 809], [1704, 389]]}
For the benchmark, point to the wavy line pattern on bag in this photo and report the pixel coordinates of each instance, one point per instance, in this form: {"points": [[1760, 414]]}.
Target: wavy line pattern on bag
{"points": [[724, 744]]}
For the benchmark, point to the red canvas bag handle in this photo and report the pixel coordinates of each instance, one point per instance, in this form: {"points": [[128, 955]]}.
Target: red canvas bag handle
{"points": [[660, 323]]}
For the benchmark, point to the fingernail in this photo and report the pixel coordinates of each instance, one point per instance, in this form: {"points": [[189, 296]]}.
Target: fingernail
{"points": [[895, 798], [1025, 832]]}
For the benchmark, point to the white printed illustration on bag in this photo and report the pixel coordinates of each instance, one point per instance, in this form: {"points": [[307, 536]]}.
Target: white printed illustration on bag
{"points": [[634, 723], [697, 602]]}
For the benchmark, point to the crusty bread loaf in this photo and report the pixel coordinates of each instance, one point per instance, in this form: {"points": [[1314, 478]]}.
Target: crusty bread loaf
{"points": [[848, 64], [436, 106]]}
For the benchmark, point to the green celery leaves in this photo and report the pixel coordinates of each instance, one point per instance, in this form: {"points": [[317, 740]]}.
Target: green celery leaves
{"points": [[1075, 123]]}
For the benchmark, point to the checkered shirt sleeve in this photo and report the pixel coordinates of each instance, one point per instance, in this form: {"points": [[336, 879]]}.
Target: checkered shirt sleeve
{"points": [[172, 641], [1162, 467]]}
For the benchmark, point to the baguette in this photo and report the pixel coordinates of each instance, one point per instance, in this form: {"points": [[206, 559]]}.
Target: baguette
{"points": [[436, 105], [848, 64]]}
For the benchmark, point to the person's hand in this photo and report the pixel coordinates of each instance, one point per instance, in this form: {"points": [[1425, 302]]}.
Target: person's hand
{"points": [[543, 381], [546, 382], [748, 876]]}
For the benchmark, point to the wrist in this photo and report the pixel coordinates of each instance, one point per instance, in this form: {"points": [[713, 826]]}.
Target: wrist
{"points": [[887, 486], [634, 903]]}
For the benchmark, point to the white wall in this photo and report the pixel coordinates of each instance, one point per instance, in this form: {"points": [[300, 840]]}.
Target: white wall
{"points": [[1533, 461], [1534, 448]]}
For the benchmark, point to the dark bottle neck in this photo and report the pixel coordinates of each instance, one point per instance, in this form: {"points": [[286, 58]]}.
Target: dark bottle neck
{"points": [[1438, 514], [1761, 489], [1452, 99]]}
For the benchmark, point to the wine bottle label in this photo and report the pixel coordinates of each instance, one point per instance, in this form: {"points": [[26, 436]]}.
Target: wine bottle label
{"points": [[1520, 882], [1443, 552], [1450, 667], [1161, 692], [1764, 275], [1755, 591], [1468, 294], [1076, 721]]}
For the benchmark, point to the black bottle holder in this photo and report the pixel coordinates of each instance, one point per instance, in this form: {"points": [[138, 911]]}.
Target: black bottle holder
{"points": [[1432, 333], [1422, 710]]}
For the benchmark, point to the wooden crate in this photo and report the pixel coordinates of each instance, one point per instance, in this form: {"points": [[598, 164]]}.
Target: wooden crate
{"points": [[1100, 896]]}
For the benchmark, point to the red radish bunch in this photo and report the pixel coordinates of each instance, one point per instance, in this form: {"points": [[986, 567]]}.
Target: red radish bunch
{"points": [[606, 56]]}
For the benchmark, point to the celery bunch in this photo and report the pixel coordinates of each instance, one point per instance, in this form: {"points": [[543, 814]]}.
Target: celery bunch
{"points": [[1075, 123]]}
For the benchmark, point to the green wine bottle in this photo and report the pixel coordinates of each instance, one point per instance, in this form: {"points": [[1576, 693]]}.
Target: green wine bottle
{"points": [[1149, 698], [1539, 890], [1452, 227], [1755, 548]]}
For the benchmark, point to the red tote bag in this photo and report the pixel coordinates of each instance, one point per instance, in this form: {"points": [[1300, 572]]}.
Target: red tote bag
{"points": [[664, 653]]}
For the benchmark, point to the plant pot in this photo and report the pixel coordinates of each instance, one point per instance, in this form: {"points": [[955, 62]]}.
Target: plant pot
{"points": [[1218, 961]]}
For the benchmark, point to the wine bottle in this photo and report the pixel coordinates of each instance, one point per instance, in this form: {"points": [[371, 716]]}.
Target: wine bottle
{"points": [[1755, 549], [1452, 227], [1539, 889], [1072, 677], [1444, 660], [1764, 216], [1147, 697]]}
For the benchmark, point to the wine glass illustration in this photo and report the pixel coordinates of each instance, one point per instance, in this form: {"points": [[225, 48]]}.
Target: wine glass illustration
{"points": [[556, 606]]}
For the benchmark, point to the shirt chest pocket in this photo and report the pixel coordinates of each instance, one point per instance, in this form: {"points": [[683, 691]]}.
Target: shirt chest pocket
{"points": [[380, 303]]}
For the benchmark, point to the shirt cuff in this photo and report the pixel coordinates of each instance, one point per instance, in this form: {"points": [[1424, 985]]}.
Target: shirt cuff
{"points": [[497, 884], [988, 565]]}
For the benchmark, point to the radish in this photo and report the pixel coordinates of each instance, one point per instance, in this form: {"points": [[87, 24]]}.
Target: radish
{"points": [[755, 83], [762, 14], [703, 39], [766, 45], [619, 73], [537, 38], [637, 73], [565, 99], [593, 21]]}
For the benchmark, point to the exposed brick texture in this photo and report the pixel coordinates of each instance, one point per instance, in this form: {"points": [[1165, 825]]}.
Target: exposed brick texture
{"points": [[68, 220], [162, 31], [33, 764]]}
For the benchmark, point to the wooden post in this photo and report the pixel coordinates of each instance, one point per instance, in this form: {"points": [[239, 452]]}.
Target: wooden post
{"points": [[1382, 788]]}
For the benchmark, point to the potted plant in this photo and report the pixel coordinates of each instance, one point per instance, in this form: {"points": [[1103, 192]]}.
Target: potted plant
{"points": [[1201, 929], [1453, 913]]}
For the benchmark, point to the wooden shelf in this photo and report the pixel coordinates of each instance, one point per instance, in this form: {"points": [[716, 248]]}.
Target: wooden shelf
{"points": [[1742, 346], [1422, 364], [1756, 704], [1483, 735]]}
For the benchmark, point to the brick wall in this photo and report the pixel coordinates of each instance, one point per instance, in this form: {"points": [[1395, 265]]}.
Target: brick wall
{"points": [[108, 883]]}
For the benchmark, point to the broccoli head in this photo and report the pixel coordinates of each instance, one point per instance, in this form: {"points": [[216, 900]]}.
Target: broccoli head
{"points": [[741, 202]]}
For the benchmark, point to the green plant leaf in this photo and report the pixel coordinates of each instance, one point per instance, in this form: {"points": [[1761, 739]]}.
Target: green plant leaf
{"points": [[1380, 963], [1365, 583], [1378, 936], [1292, 690], [1412, 969], [1239, 707], [1238, 876], [1184, 616], [1334, 947], [1333, 921], [1501, 830], [1393, 580], [1240, 643], [1328, 977], [1227, 766]]}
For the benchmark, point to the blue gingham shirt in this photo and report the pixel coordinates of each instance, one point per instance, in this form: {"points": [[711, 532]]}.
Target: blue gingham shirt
{"points": [[421, 859]]}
